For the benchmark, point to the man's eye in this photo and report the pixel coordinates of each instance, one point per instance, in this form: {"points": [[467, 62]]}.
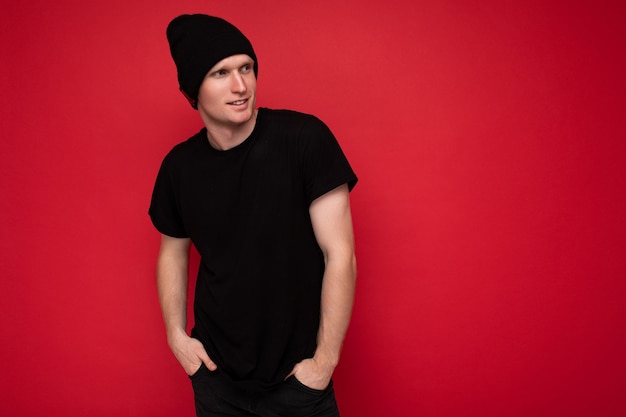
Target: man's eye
{"points": [[220, 73], [246, 68]]}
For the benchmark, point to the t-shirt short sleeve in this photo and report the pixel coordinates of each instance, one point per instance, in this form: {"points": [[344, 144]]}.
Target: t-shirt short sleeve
{"points": [[164, 209], [324, 165]]}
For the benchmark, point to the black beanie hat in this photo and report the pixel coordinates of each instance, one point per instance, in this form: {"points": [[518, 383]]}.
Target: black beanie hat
{"points": [[197, 43]]}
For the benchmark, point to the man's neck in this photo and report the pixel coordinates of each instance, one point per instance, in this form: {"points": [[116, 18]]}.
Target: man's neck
{"points": [[225, 137]]}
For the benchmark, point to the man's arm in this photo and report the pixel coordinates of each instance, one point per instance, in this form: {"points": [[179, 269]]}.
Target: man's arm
{"points": [[332, 224], [172, 277]]}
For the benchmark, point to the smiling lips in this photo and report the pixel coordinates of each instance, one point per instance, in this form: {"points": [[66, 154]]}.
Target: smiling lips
{"points": [[238, 102]]}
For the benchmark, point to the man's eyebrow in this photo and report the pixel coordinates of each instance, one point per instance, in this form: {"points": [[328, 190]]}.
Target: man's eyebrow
{"points": [[221, 68], [225, 67]]}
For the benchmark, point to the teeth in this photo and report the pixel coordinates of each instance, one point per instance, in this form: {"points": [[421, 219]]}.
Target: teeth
{"points": [[238, 102]]}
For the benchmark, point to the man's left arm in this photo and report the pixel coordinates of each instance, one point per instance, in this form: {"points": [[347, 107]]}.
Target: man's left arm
{"points": [[332, 224]]}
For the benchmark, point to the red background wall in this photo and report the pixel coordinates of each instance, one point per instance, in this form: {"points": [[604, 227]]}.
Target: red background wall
{"points": [[489, 140]]}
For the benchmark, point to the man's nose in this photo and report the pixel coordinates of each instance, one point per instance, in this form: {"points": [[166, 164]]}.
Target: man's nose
{"points": [[238, 83]]}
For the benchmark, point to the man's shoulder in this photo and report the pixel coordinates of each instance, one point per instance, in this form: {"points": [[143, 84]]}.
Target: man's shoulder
{"points": [[187, 146], [286, 116], [293, 124]]}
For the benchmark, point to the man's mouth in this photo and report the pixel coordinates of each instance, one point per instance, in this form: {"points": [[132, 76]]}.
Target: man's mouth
{"points": [[238, 102]]}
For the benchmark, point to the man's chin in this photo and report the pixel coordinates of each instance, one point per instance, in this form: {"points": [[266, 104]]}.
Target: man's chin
{"points": [[243, 117]]}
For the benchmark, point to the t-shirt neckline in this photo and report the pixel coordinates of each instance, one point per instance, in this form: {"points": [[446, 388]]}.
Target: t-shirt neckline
{"points": [[244, 144]]}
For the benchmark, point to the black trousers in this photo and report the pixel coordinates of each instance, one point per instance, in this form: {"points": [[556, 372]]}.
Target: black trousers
{"points": [[215, 397]]}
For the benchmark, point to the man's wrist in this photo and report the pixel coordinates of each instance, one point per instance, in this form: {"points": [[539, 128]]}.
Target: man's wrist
{"points": [[326, 358], [174, 335]]}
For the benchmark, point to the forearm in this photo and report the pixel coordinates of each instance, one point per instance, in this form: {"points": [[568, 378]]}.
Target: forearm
{"points": [[172, 280], [337, 299]]}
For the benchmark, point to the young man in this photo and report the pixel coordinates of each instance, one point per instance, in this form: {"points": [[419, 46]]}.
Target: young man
{"points": [[264, 197]]}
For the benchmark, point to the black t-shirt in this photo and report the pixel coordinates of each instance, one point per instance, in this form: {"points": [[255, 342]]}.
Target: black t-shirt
{"points": [[257, 297]]}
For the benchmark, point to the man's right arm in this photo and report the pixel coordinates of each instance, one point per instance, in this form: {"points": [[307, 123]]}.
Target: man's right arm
{"points": [[172, 278]]}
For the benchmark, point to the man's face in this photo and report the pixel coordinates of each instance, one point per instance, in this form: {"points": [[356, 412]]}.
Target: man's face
{"points": [[227, 96]]}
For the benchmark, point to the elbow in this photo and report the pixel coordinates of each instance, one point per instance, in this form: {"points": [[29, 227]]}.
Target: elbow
{"points": [[343, 263]]}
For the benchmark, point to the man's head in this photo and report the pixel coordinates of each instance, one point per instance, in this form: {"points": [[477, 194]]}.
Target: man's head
{"points": [[197, 43]]}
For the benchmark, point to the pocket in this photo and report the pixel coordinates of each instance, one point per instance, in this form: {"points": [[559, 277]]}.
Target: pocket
{"points": [[199, 372], [306, 388], [293, 398]]}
